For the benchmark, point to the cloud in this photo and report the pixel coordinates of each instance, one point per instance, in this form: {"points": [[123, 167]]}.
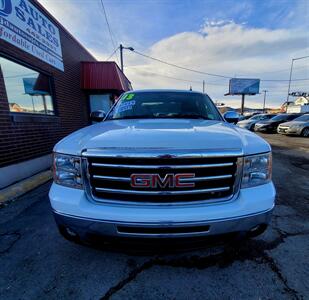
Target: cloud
{"points": [[220, 45], [223, 47]]}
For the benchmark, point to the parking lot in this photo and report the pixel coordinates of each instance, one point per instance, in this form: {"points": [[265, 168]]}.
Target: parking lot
{"points": [[36, 262]]}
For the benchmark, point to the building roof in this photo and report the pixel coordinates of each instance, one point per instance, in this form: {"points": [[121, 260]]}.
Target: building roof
{"points": [[103, 75]]}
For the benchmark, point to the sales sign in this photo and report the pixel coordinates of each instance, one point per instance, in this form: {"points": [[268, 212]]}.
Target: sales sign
{"points": [[24, 26]]}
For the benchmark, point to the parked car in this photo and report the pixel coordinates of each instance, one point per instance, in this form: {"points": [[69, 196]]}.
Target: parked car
{"points": [[250, 123], [241, 118], [299, 126], [272, 124], [162, 164]]}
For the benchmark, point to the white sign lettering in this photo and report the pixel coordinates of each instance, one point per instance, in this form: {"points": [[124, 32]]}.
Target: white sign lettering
{"points": [[24, 26]]}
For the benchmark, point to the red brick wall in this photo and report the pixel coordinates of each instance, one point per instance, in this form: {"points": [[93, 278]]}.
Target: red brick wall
{"points": [[20, 140]]}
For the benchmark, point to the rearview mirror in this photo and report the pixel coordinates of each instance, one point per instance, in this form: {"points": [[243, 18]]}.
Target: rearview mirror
{"points": [[231, 117], [97, 116]]}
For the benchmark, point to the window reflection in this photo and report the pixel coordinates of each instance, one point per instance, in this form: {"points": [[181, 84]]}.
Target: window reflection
{"points": [[27, 91]]}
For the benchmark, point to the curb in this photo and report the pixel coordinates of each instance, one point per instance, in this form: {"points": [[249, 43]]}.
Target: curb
{"points": [[18, 189]]}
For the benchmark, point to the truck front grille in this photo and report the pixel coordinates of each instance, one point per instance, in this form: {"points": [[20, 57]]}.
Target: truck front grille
{"points": [[109, 178]]}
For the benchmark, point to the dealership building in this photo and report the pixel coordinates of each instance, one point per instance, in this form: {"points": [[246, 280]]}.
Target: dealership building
{"points": [[49, 85]]}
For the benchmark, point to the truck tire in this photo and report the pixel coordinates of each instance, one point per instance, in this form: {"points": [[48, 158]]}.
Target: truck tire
{"points": [[261, 229], [67, 236]]}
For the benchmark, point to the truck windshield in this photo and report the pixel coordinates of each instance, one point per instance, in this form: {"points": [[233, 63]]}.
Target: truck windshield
{"points": [[145, 105]]}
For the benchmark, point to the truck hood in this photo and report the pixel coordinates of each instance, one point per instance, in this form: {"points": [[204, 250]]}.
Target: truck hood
{"points": [[163, 134]]}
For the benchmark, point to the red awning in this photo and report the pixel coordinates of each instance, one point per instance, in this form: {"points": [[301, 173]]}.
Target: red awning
{"points": [[104, 75]]}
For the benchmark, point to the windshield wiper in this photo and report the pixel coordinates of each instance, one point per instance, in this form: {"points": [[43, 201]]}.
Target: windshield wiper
{"points": [[163, 116], [186, 116], [133, 117]]}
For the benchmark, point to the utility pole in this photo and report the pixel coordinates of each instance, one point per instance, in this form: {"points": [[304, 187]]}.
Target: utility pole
{"points": [[121, 57], [242, 104], [204, 86], [121, 47], [291, 70], [287, 99], [264, 100]]}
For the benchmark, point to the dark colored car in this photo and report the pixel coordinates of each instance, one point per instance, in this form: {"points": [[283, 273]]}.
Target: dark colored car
{"points": [[250, 123], [272, 124]]}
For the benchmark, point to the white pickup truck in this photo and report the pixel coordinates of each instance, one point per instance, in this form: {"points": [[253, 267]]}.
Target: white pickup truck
{"points": [[162, 164]]}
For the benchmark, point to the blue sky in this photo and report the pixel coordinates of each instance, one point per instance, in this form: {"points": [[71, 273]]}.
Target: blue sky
{"points": [[162, 18], [242, 38]]}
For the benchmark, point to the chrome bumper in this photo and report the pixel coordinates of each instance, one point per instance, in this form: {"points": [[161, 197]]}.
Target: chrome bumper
{"points": [[85, 227]]}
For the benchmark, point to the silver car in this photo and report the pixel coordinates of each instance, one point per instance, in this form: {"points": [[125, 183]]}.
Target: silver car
{"points": [[299, 126], [249, 124]]}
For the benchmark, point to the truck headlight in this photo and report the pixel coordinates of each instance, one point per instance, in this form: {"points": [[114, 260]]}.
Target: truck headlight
{"points": [[67, 170], [257, 170]]}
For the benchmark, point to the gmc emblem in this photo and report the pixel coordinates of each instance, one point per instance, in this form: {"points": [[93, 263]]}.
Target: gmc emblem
{"points": [[168, 181]]}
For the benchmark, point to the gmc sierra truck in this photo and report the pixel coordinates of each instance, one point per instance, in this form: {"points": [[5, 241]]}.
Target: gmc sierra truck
{"points": [[162, 164]]}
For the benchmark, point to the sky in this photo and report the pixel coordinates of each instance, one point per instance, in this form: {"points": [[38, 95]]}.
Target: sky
{"points": [[249, 39]]}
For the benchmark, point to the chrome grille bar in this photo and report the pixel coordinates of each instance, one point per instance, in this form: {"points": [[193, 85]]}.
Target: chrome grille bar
{"points": [[112, 178], [162, 166], [128, 179], [190, 192], [146, 153]]}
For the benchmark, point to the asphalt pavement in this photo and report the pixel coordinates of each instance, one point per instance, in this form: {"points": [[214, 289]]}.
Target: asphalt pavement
{"points": [[37, 263]]}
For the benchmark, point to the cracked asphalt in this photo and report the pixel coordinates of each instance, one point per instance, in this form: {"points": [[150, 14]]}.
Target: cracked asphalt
{"points": [[37, 263]]}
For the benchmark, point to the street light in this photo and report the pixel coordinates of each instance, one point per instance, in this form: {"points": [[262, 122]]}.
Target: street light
{"points": [[265, 91], [121, 54], [292, 63]]}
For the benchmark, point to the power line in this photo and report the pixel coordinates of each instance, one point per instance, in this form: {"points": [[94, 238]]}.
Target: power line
{"points": [[278, 71], [206, 73], [165, 76], [112, 54], [109, 27], [285, 80], [199, 81], [176, 78], [180, 67]]}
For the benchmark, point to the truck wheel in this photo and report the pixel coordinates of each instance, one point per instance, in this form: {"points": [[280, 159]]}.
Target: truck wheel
{"points": [[258, 231], [63, 231], [305, 132]]}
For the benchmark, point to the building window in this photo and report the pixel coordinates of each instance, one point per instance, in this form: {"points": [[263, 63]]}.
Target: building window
{"points": [[28, 91]]}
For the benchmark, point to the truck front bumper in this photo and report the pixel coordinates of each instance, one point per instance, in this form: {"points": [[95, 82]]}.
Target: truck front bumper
{"points": [[80, 216]]}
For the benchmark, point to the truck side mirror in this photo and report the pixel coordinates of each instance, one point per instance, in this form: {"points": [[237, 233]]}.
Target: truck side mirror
{"points": [[231, 117], [97, 116]]}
